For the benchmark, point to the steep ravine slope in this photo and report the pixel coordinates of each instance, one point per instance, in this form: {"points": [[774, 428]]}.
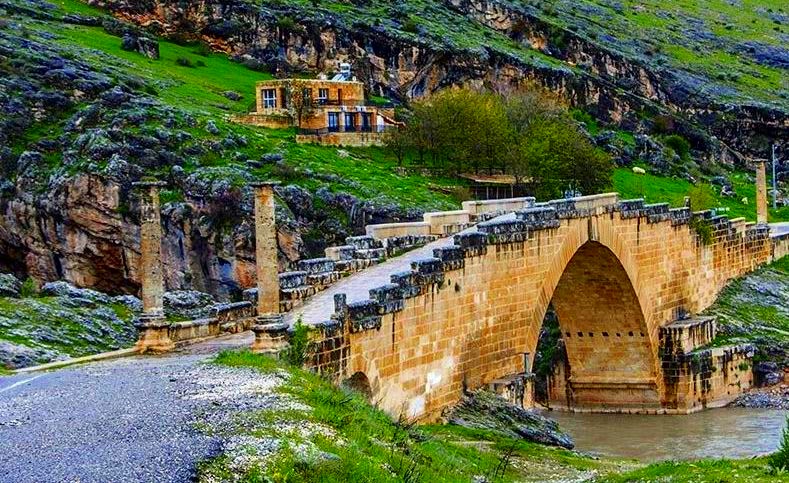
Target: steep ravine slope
{"points": [[411, 48]]}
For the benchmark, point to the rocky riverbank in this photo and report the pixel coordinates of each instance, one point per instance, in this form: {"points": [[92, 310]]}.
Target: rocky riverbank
{"points": [[774, 397]]}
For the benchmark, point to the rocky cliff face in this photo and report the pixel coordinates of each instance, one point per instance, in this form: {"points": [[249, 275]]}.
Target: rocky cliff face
{"points": [[616, 87], [67, 207]]}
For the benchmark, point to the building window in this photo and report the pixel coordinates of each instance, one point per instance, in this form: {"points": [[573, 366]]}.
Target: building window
{"points": [[350, 121], [269, 98], [323, 96], [367, 124], [334, 121]]}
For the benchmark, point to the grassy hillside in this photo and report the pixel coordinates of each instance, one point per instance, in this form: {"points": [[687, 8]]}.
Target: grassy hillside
{"points": [[755, 308], [657, 189], [736, 45], [335, 435], [196, 93]]}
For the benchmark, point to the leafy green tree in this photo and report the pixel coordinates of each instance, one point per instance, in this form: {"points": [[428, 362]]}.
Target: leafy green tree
{"points": [[529, 134]]}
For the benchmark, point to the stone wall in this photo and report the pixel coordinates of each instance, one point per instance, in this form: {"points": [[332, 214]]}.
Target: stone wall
{"points": [[617, 272], [444, 223]]}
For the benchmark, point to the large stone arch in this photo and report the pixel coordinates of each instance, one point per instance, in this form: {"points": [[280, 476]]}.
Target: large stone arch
{"points": [[611, 360]]}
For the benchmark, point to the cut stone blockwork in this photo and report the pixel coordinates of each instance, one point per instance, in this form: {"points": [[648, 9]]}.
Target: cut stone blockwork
{"points": [[617, 272], [152, 325], [269, 329], [696, 377], [761, 192]]}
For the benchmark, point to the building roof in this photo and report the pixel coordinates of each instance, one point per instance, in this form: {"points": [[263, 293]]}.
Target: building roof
{"points": [[504, 179]]}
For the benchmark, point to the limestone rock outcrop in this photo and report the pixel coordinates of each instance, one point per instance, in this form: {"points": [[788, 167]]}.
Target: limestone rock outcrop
{"points": [[485, 410]]}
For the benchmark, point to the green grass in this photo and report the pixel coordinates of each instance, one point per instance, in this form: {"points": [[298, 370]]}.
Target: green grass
{"points": [[368, 173], [196, 89], [25, 315], [372, 447], [704, 471], [752, 314], [369, 446], [657, 189]]}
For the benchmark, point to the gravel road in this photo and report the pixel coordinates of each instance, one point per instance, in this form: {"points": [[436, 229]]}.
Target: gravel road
{"points": [[122, 420]]}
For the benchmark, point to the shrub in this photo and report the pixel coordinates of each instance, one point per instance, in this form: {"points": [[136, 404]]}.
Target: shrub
{"points": [[701, 197], [202, 50], [28, 288], [287, 24], [297, 352], [703, 229], [780, 459], [679, 144], [184, 62], [662, 125], [410, 26]]}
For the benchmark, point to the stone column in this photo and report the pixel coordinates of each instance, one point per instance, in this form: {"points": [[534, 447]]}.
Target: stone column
{"points": [[270, 330], [152, 325], [761, 192]]}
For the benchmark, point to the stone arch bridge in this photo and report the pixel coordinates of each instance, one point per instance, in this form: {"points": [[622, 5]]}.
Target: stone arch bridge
{"points": [[624, 278]]}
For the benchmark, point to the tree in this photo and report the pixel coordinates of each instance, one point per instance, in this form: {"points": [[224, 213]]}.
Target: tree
{"points": [[398, 141], [299, 95], [529, 134]]}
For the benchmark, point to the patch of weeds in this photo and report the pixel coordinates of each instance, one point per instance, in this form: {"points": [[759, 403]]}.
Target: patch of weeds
{"points": [[298, 350], [780, 459], [28, 288], [703, 229]]}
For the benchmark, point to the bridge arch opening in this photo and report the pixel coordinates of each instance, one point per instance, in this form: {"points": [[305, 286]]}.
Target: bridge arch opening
{"points": [[609, 362], [360, 383]]}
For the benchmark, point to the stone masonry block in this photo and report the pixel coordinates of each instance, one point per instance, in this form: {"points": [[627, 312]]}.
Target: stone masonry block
{"points": [[364, 242], [540, 218], [631, 208], [292, 279], [317, 265]]}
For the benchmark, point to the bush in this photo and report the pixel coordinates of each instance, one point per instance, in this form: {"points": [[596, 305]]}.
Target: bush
{"points": [[184, 62], [410, 26], [780, 459], [28, 288], [679, 144], [701, 197], [703, 229], [296, 354], [202, 50]]}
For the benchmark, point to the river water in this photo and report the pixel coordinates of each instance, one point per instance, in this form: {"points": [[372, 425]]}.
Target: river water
{"points": [[714, 433]]}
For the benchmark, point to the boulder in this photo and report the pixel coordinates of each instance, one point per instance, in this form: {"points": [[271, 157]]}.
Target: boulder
{"points": [[142, 45], [485, 410], [15, 356], [189, 304], [81, 295], [10, 286]]}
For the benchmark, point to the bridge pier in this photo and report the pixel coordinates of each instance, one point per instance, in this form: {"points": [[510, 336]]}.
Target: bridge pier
{"points": [[152, 324], [270, 331], [761, 192]]}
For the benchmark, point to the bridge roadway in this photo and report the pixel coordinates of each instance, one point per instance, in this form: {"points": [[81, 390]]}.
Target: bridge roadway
{"points": [[133, 419]]}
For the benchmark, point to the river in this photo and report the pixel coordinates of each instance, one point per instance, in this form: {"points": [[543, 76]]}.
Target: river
{"points": [[714, 433]]}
